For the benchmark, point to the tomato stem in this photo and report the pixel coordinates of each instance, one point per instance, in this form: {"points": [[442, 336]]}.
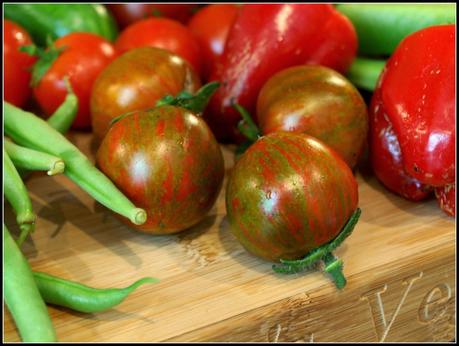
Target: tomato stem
{"points": [[247, 126], [333, 266], [195, 103]]}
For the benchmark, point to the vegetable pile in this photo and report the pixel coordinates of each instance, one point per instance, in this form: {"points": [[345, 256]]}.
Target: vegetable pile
{"points": [[305, 92]]}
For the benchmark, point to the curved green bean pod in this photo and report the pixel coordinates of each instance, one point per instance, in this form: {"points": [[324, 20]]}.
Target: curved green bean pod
{"points": [[63, 117], [25, 158], [381, 27], [79, 297], [31, 131], [364, 72], [22, 297], [17, 195]]}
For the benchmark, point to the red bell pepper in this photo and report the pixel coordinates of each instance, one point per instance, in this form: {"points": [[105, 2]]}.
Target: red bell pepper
{"points": [[412, 117], [266, 39]]}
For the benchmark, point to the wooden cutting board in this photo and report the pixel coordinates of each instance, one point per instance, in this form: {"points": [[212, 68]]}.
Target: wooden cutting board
{"points": [[399, 263]]}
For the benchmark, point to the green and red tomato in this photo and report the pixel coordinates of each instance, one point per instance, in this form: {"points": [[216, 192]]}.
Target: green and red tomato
{"points": [[289, 194], [318, 101], [166, 161], [136, 80]]}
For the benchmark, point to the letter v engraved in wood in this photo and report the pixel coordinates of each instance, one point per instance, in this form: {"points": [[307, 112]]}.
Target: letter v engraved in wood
{"points": [[377, 307]]}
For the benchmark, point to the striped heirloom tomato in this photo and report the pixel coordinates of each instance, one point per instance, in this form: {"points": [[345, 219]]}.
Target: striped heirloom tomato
{"points": [[289, 194], [318, 101], [166, 160], [135, 81]]}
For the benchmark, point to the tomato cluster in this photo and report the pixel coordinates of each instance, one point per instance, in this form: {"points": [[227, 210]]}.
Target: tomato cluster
{"points": [[158, 129]]}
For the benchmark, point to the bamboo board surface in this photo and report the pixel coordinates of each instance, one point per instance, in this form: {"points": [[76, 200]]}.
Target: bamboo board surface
{"points": [[399, 263]]}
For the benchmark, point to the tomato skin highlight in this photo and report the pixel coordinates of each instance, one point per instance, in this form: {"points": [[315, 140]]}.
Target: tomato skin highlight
{"points": [[265, 39], [17, 64], [211, 25], [167, 161], [288, 194], [162, 33], [318, 101], [137, 80], [83, 59]]}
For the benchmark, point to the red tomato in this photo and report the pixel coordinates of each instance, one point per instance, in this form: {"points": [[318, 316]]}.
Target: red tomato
{"points": [[211, 25], [126, 14], [84, 57], [161, 33], [16, 77]]}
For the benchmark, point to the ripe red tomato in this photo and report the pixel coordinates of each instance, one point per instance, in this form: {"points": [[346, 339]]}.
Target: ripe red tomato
{"points": [[211, 25], [135, 81], [83, 59], [17, 64], [161, 33], [126, 14], [166, 161], [288, 194], [318, 101]]}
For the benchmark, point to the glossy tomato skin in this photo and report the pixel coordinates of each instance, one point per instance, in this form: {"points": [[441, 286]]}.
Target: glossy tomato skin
{"points": [[288, 194], [386, 156], [318, 101], [127, 14], [211, 25], [167, 161], [84, 57], [137, 80], [161, 33], [267, 38], [17, 64]]}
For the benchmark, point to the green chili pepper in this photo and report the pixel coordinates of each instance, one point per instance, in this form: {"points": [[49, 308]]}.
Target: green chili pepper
{"points": [[381, 27], [79, 297], [16, 194], [22, 296], [33, 132], [56, 20], [30, 159], [364, 72]]}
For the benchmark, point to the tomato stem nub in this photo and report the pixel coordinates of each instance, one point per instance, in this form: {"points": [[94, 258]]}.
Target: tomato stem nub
{"points": [[195, 103], [333, 266]]}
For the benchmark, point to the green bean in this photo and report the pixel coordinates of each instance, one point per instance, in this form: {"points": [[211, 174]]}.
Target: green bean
{"points": [[22, 297], [29, 159], [381, 27], [364, 72], [33, 132], [63, 117], [82, 298], [16, 194]]}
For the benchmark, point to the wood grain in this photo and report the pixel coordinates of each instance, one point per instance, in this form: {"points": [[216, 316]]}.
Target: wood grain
{"points": [[399, 263]]}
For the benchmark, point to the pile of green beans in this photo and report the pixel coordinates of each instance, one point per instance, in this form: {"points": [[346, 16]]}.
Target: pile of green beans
{"points": [[37, 145]]}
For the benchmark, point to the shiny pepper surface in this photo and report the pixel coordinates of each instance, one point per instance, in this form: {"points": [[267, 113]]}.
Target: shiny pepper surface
{"points": [[415, 98]]}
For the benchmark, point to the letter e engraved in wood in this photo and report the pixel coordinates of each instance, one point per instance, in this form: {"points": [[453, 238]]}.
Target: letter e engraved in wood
{"points": [[437, 311], [381, 324]]}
